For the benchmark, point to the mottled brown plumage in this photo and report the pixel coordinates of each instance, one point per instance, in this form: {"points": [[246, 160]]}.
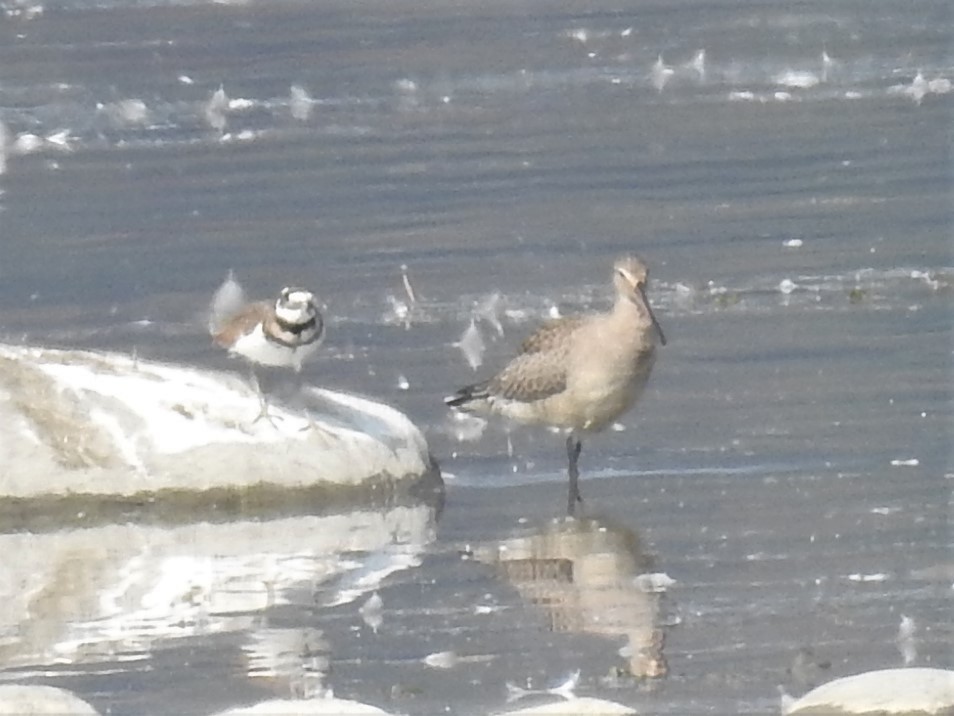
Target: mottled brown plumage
{"points": [[551, 335], [531, 376], [578, 373]]}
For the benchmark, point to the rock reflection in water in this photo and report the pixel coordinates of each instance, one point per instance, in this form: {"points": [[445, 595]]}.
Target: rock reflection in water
{"points": [[75, 599], [583, 574]]}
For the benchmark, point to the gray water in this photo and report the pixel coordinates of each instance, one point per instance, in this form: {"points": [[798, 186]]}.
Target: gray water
{"points": [[789, 466]]}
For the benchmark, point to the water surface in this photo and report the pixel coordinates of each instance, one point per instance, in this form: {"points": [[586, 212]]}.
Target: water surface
{"points": [[790, 464]]}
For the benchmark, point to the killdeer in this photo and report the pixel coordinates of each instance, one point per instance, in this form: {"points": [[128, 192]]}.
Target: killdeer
{"points": [[282, 334], [578, 373]]}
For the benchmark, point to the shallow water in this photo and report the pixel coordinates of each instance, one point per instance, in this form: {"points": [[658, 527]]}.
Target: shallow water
{"points": [[790, 464]]}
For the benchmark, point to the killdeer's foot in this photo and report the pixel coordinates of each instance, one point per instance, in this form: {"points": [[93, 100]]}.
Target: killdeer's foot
{"points": [[270, 417], [319, 431]]}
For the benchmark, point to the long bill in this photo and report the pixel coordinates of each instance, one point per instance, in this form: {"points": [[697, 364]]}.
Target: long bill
{"points": [[641, 292]]}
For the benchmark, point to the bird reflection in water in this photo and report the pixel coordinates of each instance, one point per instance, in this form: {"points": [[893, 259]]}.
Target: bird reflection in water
{"points": [[583, 574]]}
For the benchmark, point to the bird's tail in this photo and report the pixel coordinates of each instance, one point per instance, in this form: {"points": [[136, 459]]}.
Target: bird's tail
{"points": [[227, 301], [463, 397]]}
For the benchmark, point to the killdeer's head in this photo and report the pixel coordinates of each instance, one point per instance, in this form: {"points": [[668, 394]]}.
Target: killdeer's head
{"points": [[296, 306]]}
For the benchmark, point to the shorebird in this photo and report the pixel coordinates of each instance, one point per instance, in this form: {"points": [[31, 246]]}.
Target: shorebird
{"points": [[281, 334], [577, 373]]}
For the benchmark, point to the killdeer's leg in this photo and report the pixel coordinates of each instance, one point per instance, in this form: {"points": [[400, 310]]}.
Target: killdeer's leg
{"points": [[262, 401], [299, 388]]}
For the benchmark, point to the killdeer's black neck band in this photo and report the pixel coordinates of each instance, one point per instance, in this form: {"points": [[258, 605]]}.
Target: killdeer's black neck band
{"points": [[296, 328], [293, 335]]}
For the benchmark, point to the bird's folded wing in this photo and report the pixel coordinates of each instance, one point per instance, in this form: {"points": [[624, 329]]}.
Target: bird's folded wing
{"points": [[241, 323], [530, 377], [551, 336]]}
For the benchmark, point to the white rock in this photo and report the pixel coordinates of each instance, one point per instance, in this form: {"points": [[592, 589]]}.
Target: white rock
{"points": [[282, 707], [889, 691], [41, 700], [574, 707], [106, 423]]}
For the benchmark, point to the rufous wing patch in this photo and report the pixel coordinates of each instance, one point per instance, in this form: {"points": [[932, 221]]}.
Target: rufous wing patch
{"points": [[242, 323]]}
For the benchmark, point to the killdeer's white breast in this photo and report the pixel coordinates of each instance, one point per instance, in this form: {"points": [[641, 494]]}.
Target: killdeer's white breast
{"points": [[282, 334]]}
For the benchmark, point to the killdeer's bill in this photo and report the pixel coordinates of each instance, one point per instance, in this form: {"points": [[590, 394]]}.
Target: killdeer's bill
{"points": [[282, 334]]}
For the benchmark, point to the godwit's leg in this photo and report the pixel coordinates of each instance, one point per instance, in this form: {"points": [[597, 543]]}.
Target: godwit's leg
{"points": [[573, 448]]}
